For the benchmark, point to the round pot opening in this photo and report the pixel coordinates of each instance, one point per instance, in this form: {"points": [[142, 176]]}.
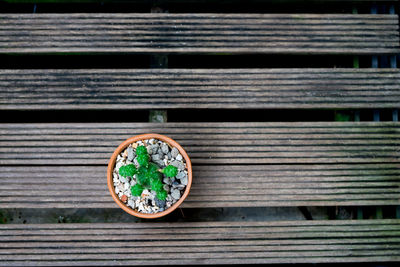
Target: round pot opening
{"points": [[112, 163]]}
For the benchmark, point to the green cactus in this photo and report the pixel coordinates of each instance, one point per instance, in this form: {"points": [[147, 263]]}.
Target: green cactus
{"points": [[136, 190], [143, 160], [148, 174], [141, 150], [128, 170], [162, 194], [170, 171]]}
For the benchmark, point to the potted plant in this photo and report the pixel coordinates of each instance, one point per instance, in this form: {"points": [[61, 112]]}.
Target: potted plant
{"points": [[149, 175]]}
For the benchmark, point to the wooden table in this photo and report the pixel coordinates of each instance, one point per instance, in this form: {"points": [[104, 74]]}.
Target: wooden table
{"points": [[310, 123]]}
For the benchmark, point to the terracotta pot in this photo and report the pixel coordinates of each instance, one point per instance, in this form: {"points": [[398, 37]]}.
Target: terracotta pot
{"points": [[121, 148]]}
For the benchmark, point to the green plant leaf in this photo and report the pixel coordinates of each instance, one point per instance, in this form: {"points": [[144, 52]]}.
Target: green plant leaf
{"points": [[153, 170], [156, 184], [127, 170], [143, 159], [162, 194], [170, 171], [141, 150], [143, 177], [136, 190]]}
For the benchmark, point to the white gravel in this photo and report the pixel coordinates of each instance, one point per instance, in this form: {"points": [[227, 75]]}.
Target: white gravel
{"points": [[162, 155]]}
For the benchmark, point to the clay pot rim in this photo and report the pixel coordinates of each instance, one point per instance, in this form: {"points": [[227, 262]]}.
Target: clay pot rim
{"points": [[125, 144]]}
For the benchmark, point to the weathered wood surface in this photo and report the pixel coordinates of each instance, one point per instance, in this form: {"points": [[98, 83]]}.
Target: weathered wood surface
{"points": [[46, 89], [213, 186], [226, 148], [200, 33], [200, 243], [186, 1], [206, 143]]}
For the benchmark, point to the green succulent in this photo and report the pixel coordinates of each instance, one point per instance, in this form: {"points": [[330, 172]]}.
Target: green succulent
{"points": [[162, 194], [143, 159], [148, 174], [128, 170], [141, 150], [156, 185], [170, 171], [137, 190]]}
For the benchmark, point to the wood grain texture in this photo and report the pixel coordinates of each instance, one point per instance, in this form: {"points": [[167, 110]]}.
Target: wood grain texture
{"points": [[213, 186], [47, 89], [206, 143], [200, 243], [185, 1], [199, 33]]}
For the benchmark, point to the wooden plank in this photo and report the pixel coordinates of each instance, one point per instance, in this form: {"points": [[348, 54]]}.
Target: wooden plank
{"points": [[199, 33], [185, 1], [223, 88], [266, 185], [206, 143], [200, 242]]}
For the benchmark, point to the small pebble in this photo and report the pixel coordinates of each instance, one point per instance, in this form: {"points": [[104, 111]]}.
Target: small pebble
{"points": [[154, 209], [181, 175], [131, 203], [145, 192], [174, 152], [124, 198], [154, 149], [179, 157], [155, 157], [164, 148], [167, 181], [169, 198], [166, 187], [124, 179], [118, 165], [176, 194], [126, 186], [174, 163], [178, 185], [130, 154], [178, 164], [184, 180], [152, 141], [141, 207], [120, 187], [160, 203], [160, 163], [149, 150]]}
